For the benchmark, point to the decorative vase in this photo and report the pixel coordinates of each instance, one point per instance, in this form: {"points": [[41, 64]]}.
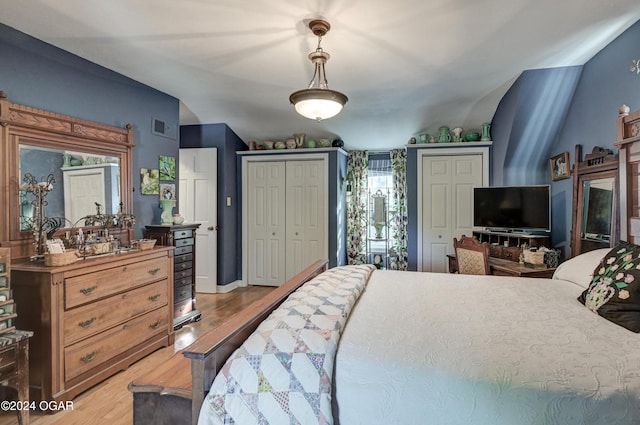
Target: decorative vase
{"points": [[178, 219], [337, 143], [472, 136], [486, 136], [457, 134], [166, 217], [444, 136]]}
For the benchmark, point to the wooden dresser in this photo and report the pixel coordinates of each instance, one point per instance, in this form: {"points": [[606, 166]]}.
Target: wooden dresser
{"points": [[183, 238], [93, 318]]}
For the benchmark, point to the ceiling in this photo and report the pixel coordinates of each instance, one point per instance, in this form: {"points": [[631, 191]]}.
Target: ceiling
{"points": [[407, 66]]}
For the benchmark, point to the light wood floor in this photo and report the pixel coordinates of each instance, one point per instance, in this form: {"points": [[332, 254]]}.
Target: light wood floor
{"points": [[110, 402]]}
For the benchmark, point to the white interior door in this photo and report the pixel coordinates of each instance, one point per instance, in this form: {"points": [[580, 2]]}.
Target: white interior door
{"points": [[447, 204], [306, 214], [83, 188], [265, 223], [198, 192]]}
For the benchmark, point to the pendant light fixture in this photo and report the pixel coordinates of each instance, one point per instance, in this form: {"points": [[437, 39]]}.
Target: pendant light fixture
{"points": [[318, 102]]}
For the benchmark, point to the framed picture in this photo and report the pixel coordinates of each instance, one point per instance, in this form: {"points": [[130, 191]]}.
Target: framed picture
{"points": [[560, 168], [167, 166], [167, 191], [149, 184]]}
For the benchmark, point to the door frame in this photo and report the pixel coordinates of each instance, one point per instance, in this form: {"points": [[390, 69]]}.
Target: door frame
{"points": [[261, 156], [449, 151]]}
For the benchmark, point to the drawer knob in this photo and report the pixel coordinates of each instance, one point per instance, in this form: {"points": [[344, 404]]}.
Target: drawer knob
{"points": [[87, 358], [87, 291], [183, 293], [153, 272], [154, 297], [87, 322], [155, 324]]}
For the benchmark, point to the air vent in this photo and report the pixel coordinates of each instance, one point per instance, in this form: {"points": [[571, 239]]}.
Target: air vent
{"points": [[163, 128]]}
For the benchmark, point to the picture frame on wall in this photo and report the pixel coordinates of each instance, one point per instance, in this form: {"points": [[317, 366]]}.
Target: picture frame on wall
{"points": [[167, 166], [149, 181], [167, 191], [560, 167]]}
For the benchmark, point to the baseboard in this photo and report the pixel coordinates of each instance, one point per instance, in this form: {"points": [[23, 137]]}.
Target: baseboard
{"points": [[223, 289]]}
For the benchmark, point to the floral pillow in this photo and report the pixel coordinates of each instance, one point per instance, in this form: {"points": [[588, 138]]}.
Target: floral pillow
{"points": [[614, 291]]}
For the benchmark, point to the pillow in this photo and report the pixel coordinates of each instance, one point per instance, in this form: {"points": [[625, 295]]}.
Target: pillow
{"points": [[614, 291], [579, 269]]}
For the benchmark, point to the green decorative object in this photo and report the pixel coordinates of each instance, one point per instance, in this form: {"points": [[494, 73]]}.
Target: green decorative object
{"points": [[311, 143], [167, 210], [486, 136], [472, 136], [444, 135]]}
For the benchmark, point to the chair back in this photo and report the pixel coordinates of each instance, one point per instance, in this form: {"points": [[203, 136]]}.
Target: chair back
{"points": [[472, 256]]}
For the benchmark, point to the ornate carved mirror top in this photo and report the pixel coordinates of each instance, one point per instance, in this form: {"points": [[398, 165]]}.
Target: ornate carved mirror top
{"points": [[89, 161]]}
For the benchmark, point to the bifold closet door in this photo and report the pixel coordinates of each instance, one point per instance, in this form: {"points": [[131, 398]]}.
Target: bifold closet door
{"points": [[447, 205], [306, 200], [266, 218]]}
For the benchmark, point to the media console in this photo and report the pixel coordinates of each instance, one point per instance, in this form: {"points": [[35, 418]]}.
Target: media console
{"points": [[508, 245], [504, 250]]}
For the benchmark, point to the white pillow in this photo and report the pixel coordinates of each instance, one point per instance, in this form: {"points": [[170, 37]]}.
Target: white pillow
{"points": [[579, 269]]}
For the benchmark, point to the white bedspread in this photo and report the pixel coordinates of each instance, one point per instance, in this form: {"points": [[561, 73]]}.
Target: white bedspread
{"points": [[427, 348]]}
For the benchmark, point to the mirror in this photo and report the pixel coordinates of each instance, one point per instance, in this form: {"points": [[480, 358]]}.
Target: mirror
{"points": [[82, 180], [595, 212], [91, 163]]}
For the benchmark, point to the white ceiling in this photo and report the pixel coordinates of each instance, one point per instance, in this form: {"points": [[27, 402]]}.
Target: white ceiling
{"points": [[407, 66]]}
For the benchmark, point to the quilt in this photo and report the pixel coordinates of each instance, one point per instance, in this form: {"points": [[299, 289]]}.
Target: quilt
{"points": [[283, 372]]}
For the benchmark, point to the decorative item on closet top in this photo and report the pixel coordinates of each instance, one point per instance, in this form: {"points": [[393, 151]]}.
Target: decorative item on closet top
{"points": [[317, 101]]}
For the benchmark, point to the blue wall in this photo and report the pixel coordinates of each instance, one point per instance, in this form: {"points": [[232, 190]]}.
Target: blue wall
{"points": [[40, 75], [549, 111], [229, 219]]}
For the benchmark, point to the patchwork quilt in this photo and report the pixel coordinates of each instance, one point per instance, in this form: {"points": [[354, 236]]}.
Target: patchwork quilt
{"points": [[282, 374]]}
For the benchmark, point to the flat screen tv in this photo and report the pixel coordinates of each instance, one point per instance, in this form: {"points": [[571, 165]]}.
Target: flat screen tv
{"points": [[513, 208]]}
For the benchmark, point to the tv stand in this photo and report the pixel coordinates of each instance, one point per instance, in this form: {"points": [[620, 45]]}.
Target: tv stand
{"points": [[508, 244]]}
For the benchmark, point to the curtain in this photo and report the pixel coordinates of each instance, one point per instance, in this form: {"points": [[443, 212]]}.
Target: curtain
{"points": [[357, 196], [398, 257]]}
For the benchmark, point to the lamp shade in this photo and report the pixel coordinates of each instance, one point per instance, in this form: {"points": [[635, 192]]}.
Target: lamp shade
{"points": [[318, 104]]}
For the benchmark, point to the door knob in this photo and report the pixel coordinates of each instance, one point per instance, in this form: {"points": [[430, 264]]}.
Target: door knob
{"points": [[212, 228]]}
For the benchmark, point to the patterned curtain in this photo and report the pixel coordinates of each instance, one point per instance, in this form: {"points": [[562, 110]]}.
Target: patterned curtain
{"points": [[398, 257], [357, 196]]}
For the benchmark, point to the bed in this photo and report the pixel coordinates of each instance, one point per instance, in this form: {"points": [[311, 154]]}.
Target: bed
{"points": [[451, 349], [422, 348]]}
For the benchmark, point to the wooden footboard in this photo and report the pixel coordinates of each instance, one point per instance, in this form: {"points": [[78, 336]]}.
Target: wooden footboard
{"points": [[167, 395]]}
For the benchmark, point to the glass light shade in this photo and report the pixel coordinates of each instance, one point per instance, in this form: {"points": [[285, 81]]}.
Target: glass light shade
{"points": [[318, 104]]}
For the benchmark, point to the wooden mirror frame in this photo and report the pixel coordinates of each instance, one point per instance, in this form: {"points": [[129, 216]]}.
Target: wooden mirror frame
{"points": [[40, 128], [599, 164]]}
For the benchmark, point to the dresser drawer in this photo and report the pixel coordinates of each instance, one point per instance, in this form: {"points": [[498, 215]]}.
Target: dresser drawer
{"points": [[182, 308], [181, 250], [182, 293], [182, 274], [183, 242], [187, 265], [182, 258], [90, 319], [8, 356], [103, 347], [181, 234], [90, 287]]}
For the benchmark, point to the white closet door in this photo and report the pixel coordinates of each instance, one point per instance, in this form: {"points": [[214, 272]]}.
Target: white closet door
{"points": [[447, 205], [265, 211], [306, 214]]}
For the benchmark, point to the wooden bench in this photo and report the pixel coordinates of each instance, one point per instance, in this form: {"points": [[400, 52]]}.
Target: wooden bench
{"points": [[170, 395]]}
